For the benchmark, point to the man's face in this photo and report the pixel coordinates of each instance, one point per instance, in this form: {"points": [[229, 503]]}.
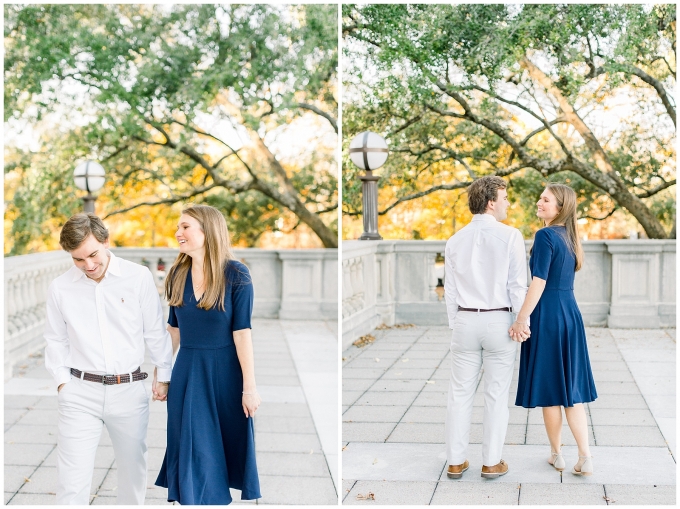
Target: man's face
{"points": [[91, 257], [499, 208]]}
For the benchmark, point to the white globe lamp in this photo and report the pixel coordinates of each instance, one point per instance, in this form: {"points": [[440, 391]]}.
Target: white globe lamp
{"points": [[89, 176], [368, 151]]}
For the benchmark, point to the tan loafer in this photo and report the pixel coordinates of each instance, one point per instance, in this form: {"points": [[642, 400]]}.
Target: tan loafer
{"points": [[495, 471], [456, 471]]}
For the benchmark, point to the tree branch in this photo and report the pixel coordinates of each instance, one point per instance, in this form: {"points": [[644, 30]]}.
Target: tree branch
{"points": [[657, 189], [321, 113]]}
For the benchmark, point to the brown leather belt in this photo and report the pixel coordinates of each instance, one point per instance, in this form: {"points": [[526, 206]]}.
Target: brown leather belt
{"points": [[137, 375], [483, 310]]}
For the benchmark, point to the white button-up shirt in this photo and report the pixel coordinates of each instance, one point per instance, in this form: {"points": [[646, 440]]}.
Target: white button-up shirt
{"points": [[485, 267], [103, 327]]}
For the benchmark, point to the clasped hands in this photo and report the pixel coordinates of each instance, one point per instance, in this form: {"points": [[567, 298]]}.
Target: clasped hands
{"points": [[159, 390], [519, 332]]}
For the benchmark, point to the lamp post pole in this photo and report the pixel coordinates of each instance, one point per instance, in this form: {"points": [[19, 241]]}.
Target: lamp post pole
{"points": [[369, 152]]}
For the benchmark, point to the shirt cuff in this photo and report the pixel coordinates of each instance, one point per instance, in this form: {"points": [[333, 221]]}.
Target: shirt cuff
{"points": [[62, 375], [163, 374]]}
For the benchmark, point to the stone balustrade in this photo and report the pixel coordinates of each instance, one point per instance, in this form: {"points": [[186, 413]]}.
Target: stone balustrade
{"points": [[289, 284], [623, 284]]}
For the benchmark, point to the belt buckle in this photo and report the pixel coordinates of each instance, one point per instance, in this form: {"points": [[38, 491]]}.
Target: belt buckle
{"points": [[105, 379]]}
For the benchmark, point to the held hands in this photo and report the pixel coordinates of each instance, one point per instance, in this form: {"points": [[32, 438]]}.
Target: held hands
{"points": [[159, 390], [251, 401], [519, 332]]}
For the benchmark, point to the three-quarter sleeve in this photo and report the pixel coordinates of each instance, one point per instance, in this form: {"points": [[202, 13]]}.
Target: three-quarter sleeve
{"points": [[172, 317], [541, 254], [241, 296]]}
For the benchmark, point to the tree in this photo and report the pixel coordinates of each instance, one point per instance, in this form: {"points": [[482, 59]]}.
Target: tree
{"points": [[462, 91], [179, 103]]}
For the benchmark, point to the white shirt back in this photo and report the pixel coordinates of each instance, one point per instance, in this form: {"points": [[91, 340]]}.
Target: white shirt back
{"points": [[485, 267], [103, 327]]}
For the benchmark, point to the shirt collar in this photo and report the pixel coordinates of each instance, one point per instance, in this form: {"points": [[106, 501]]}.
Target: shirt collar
{"points": [[484, 217], [113, 268]]}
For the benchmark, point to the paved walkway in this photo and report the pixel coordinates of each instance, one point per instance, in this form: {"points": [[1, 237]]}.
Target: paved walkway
{"points": [[394, 407], [296, 433]]}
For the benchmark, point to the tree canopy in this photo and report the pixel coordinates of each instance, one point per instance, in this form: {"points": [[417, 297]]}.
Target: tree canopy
{"points": [[580, 94], [230, 105]]}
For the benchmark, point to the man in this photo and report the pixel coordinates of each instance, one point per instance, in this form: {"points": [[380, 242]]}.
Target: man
{"points": [[485, 280], [100, 314]]}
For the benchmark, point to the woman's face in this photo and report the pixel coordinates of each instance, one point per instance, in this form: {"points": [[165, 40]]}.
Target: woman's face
{"points": [[547, 206], [189, 235]]}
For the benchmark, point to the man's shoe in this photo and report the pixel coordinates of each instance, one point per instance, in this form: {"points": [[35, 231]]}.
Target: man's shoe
{"points": [[456, 471], [495, 471]]}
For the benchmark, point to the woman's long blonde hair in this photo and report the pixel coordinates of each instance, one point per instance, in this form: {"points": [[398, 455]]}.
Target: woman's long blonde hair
{"points": [[566, 203], [217, 255]]}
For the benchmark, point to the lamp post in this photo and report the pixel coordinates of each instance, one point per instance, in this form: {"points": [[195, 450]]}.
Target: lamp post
{"points": [[89, 176], [369, 152]]}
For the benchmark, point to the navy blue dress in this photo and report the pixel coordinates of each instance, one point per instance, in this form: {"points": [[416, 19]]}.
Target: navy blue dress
{"points": [[211, 445], [554, 368]]}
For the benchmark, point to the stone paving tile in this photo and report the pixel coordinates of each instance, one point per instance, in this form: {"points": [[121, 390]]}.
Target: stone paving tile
{"points": [[426, 433], [376, 462], [391, 493], [294, 442], [285, 490], [536, 435], [431, 399], [466, 493], [536, 417], [15, 477], [374, 414], [292, 464], [400, 373], [44, 480], [366, 431], [629, 436], [26, 454], [622, 465], [657, 385], [367, 362], [32, 499], [12, 415], [270, 409], [425, 414], [617, 388], [561, 494], [350, 373], [355, 384], [621, 417], [384, 398], [284, 424], [346, 487], [436, 386], [612, 376], [398, 385], [620, 401], [350, 397], [625, 494], [20, 402], [21, 434], [407, 363]]}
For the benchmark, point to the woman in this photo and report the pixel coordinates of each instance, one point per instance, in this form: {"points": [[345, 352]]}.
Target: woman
{"points": [[554, 368], [212, 397]]}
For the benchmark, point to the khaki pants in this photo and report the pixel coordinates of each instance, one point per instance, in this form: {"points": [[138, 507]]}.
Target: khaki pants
{"points": [[479, 340], [83, 408]]}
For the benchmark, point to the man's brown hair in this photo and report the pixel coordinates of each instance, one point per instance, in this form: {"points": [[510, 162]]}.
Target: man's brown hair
{"points": [[482, 191], [80, 227]]}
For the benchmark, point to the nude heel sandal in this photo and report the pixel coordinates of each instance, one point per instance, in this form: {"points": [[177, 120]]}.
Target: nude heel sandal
{"points": [[586, 467], [558, 461]]}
